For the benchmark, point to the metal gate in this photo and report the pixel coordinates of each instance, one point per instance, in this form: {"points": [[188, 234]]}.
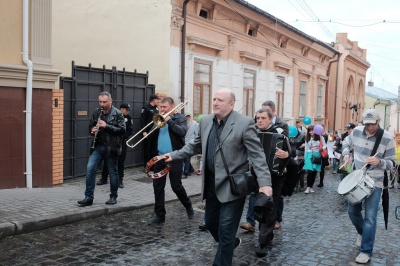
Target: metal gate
{"points": [[81, 93]]}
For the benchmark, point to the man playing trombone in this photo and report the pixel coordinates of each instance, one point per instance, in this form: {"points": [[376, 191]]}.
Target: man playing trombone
{"points": [[108, 125], [164, 140]]}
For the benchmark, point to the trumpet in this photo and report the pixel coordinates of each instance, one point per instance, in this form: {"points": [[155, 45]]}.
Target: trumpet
{"points": [[158, 121], [97, 131]]}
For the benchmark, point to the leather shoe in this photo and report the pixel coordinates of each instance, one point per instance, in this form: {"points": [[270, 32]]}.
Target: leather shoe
{"points": [[190, 213], [202, 227], [156, 220], [101, 182], [262, 251], [111, 201], [85, 202], [121, 184]]}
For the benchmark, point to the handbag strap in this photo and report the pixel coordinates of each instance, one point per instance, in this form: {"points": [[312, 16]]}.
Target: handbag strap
{"points": [[222, 155]]}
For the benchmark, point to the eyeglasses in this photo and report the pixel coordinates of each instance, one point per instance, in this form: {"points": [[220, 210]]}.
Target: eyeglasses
{"points": [[370, 124]]}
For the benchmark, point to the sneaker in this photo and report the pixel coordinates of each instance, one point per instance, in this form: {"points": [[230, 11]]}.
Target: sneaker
{"points": [[307, 191], [362, 258], [311, 190], [334, 172], [238, 241], [199, 172], [358, 241], [277, 225], [262, 251], [111, 201], [248, 227], [156, 220], [184, 177]]}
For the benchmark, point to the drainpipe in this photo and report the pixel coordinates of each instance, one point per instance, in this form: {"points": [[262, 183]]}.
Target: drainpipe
{"points": [[28, 111], [336, 86], [183, 51]]}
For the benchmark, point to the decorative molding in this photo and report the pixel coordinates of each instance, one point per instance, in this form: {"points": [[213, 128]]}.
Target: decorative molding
{"points": [[176, 23], [246, 55], [16, 75], [322, 77], [193, 41], [232, 40], [282, 65], [305, 72]]}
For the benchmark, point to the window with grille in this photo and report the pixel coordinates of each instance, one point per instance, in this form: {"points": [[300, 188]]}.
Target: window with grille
{"points": [[248, 93], [319, 100], [202, 88], [303, 95]]}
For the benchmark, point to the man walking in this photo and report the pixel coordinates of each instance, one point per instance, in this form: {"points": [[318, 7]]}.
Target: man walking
{"points": [[124, 108], [239, 143], [363, 139], [107, 123], [164, 140]]}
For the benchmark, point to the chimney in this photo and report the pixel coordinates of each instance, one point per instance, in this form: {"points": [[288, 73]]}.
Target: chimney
{"points": [[370, 83]]}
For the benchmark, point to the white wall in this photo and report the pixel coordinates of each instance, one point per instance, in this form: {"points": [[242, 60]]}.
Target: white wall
{"points": [[123, 33]]}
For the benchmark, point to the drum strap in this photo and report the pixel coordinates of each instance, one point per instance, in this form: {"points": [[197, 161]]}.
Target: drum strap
{"points": [[377, 142]]}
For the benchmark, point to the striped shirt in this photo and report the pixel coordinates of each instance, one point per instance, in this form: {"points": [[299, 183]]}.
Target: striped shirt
{"points": [[363, 146]]}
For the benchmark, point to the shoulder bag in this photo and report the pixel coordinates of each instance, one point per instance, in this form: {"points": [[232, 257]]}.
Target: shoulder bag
{"points": [[241, 184], [324, 152]]}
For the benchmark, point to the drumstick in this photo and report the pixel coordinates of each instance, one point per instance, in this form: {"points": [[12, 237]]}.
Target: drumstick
{"points": [[361, 168], [364, 165]]}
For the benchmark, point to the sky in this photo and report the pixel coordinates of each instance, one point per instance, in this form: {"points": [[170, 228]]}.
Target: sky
{"points": [[374, 24]]}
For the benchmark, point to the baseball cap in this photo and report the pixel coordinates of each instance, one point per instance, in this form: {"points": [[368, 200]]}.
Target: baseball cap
{"points": [[188, 114], [152, 97], [350, 125], [370, 116], [125, 105]]}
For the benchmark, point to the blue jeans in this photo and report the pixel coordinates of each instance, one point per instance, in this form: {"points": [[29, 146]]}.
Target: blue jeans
{"points": [[335, 163], [222, 221], [366, 226], [187, 167], [111, 159], [250, 211]]}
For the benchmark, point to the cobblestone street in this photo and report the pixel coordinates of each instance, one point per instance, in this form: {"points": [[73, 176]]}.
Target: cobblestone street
{"points": [[315, 231]]}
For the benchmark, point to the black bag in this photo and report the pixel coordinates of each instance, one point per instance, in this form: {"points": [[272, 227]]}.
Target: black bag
{"points": [[316, 160], [242, 184]]}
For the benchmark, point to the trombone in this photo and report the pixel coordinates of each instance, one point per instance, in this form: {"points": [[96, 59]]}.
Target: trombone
{"points": [[159, 122]]}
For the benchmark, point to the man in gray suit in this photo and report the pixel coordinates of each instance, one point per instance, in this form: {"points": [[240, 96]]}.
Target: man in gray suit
{"points": [[239, 143]]}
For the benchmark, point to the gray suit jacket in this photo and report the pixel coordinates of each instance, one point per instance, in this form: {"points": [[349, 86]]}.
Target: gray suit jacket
{"points": [[239, 144]]}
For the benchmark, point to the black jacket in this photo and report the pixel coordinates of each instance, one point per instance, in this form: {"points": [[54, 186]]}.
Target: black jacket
{"points": [[114, 130], [129, 126], [177, 128], [148, 111]]}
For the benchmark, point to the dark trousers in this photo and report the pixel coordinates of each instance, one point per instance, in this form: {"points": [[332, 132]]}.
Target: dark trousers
{"points": [[267, 229], [146, 151], [222, 221], [325, 162], [175, 175], [311, 178], [121, 162]]}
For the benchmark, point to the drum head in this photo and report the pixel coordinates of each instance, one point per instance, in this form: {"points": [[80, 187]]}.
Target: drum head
{"points": [[350, 182]]}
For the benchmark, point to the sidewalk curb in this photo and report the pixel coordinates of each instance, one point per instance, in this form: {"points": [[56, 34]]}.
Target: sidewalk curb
{"points": [[40, 223]]}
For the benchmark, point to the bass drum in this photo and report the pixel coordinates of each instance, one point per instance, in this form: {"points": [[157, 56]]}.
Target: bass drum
{"points": [[356, 186]]}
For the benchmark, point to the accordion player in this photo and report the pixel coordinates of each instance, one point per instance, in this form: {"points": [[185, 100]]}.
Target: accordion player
{"points": [[270, 142]]}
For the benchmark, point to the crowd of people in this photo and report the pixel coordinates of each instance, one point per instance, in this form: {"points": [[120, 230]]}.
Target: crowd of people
{"points": [[246, 143]]}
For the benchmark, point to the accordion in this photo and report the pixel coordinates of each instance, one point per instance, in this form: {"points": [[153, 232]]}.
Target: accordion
{"points": [[269, 142]]}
